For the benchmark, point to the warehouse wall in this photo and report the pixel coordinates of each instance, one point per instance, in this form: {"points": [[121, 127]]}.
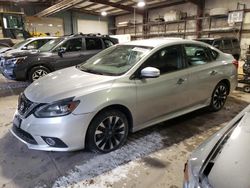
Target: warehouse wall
{"points": [[69, 18], [191, 10]]}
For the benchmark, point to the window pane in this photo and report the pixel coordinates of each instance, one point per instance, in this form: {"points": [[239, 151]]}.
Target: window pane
{"points": [[166, 60], [108, 43], [196, 55], [227, 44], [93, 44], [73, 45]]}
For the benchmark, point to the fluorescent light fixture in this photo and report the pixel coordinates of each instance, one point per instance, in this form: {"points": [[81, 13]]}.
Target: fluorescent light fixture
{"points": [[103, 13], [122, 23], [141, 4]]}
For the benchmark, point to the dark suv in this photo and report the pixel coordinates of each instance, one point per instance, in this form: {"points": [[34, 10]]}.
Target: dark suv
{"points": [[56, 54], [230, 45]]}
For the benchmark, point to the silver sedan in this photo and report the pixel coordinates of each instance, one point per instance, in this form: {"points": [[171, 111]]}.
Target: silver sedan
{"points": [[123, 89], [222, 160]]}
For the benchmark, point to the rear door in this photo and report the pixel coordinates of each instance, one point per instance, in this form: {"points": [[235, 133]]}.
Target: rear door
{"points": [[92, 46], [204, 73], [160, 96]]}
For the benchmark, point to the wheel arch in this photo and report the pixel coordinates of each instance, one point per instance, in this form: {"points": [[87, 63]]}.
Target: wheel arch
{"points": [[227, 82], [39, 65], [122, 109]]}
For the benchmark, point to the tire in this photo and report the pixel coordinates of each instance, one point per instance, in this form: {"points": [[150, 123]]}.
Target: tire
{"points": [[246, 89], [219, 97], [37, 72], [107, 132]]}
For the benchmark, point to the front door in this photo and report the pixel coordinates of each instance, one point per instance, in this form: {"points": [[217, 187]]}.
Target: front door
{"points": [[160, 96], [72, 54]]}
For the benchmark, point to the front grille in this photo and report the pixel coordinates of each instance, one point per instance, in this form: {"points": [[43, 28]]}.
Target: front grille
{"points": [[24, 135], [24, 104]]}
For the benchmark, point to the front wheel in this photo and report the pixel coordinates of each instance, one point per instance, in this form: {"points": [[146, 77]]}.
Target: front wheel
{"points": [[219, 97], [107, 132], [37, 72], [246, 89]]}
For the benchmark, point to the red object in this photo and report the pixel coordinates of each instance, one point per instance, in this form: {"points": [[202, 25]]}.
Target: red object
{"points": [[236, 63]]}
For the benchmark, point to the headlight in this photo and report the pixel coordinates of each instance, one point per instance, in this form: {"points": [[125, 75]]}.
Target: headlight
{"points": [[15, 60], [59, 108]]}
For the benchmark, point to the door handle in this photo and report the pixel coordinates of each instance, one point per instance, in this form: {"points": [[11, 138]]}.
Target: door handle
{"points": [[213, 72], [181, 80]]}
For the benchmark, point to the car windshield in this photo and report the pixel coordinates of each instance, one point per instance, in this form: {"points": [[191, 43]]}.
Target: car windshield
{"points": [[115, 60], [20, 44], [50, 45]]}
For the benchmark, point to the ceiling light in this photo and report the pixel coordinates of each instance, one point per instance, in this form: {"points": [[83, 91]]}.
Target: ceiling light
{"points": [[103, 13], [141, 4]]}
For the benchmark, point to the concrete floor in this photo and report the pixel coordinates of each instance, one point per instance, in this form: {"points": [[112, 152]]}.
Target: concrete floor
{"points": [[153, 157]]}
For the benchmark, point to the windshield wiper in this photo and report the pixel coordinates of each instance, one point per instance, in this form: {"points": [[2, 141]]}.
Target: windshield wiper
{"points": [[89, 70]]}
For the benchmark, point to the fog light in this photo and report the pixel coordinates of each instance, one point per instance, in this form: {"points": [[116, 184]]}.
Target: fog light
{"points": [[50, 141]]}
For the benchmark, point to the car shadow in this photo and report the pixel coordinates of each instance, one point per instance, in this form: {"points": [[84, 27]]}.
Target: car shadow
{"points": [[26, 168]]}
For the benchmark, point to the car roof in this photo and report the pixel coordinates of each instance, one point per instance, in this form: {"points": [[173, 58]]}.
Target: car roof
{"points": [[153, 42], [45, 37]]}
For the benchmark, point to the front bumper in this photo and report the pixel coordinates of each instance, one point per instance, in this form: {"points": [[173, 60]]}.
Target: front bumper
{"points": [[70, 129]]}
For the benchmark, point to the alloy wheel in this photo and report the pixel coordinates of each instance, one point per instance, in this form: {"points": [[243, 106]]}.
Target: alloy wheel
{"points": [[38, 74], [109, 133], [220, 96]]}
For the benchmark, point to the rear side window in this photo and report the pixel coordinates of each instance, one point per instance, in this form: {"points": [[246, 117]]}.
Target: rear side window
{"points": [[214, 54], [107, 43], [196, 54], [235, 43], [93, 44], [227, 44]]}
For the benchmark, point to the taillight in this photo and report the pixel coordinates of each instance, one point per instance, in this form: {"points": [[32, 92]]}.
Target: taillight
{"points": [[236, 63]]}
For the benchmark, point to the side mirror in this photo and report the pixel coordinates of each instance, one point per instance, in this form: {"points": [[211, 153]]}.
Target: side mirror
{"points": [[61, 51], [24, 48], [150, 72]]}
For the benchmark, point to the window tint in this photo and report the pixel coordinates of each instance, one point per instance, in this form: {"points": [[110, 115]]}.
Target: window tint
{"points": [[214, 54], [196, 55], [42, 42], [235, 43], [168, 59], [227, 44], [217, 43], [108, 43], [93, 44], [32, 45], [73, 45]]}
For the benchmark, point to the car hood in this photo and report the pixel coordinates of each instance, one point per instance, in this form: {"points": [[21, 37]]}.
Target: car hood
{"points": [[5, 49], [227, 156], [19, 53], [69, 82], [233, 161]]}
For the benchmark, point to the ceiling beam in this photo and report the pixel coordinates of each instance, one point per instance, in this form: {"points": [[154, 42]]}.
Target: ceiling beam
{"points": [[118, 5], [107, 6], [62, 5], [196, 2]]}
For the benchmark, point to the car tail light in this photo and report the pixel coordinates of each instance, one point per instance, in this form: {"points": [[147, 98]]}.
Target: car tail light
{"points": [[236, 63]]}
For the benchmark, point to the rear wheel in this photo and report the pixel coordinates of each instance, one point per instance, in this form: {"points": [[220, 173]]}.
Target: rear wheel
{"points": [[219, 97], [37, 72], [107, 132], [246, 89]]}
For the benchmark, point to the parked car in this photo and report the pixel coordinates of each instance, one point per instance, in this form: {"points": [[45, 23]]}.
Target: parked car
{"points": [[122, 89], [230, 45], [222, 160], [28, 44], [56, 54]]}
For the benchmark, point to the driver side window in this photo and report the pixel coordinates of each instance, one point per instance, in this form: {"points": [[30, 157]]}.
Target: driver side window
{"points": [[168, 59], [73, 45]]}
